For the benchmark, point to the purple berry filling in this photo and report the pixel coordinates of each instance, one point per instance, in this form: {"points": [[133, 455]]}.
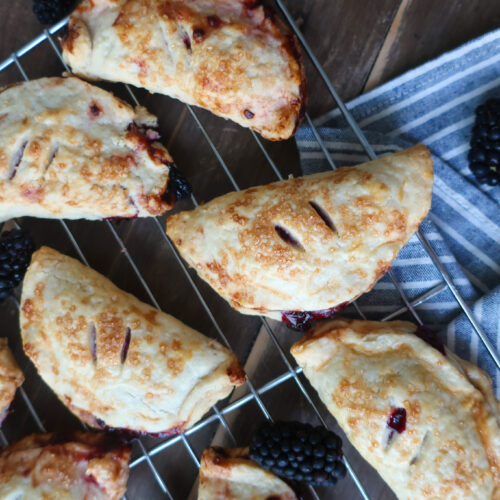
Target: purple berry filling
{"points": [[301, 320], [427, 336], [397, 420]]}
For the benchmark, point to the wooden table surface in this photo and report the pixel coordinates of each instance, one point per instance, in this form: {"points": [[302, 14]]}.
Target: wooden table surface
{"points": [[360, 44]]}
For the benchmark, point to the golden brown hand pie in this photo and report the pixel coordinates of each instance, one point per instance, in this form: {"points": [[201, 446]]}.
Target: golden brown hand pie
{"points": [[11, 377], [230, 474], [113, 360], [425, 419], [233, 57], [298, 249], [71, 150], [64, 466]]}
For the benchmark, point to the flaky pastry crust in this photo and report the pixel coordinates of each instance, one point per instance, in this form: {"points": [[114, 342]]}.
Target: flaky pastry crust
{"points": [[71, 150], [233, 57], [64, 466], [310, 243], [113, 360], [230, 474], [427, 421], [11, 377]]}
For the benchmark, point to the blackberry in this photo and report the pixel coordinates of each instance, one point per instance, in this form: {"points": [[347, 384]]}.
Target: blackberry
{"points": [[484, 154], [299, 452], [51, 11], [16, 247], [178, 186]]}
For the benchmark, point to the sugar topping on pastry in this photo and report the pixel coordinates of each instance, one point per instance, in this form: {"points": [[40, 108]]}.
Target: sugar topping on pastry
{"points": [[299, 249], [113, 360], [234, 58], [64, 466], [425, 419], [71, 150]]}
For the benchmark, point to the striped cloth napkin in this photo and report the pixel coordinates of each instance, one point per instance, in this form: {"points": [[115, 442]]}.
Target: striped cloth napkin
{"points": [[434, 104]]}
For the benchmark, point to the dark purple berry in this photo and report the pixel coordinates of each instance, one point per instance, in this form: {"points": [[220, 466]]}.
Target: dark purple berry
{"points": [[492, 158], [494, 133], [479, 169], [52, 11], [299, 452], [178, 186], [484, 156], [477, 155], [319, 451], [16, 247]]}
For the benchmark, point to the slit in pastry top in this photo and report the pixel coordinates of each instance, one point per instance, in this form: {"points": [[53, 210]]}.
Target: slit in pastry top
{"points": [[234, 58], [301, 248], [425, 419], [114, 361], [71, 150]]}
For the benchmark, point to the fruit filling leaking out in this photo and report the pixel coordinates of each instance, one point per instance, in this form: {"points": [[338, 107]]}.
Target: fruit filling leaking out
{"points": [[427, 336], [396, 422], [178, 187], [300, 320]]}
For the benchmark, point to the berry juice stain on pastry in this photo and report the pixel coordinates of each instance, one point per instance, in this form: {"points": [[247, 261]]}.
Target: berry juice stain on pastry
{"points": [[233, 58], [429, 423], [115, 362], [65, 466], [74, 151], [299, 250]]}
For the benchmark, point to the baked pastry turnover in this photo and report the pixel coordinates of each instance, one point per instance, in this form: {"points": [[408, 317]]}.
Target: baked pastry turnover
{"points": [[301, 248], [230, 474], [232, 57], [11, 377], [113, 360], [425, 419], [71, 150], [64, 466]]}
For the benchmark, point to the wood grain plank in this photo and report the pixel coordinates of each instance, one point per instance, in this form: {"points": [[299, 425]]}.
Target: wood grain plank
{"points": [[424, 29]]}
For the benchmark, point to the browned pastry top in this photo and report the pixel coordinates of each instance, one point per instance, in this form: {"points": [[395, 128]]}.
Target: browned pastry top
{"points": [[64, 466], [233, 57]]}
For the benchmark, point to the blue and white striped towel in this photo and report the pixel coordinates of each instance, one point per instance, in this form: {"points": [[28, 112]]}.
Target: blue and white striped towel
{"points": [[434, 104]]}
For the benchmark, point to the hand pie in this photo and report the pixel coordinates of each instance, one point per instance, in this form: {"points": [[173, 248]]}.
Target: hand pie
{"points": [[230, 474], [425, 419], [11, 377], [113, 360], [298, 249], [64, 466], [234, 58], [71, 150]]}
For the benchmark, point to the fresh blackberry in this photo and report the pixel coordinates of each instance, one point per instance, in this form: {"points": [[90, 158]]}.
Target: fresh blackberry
{"points": [[16, 247], [299, 452], [484, 154], [51, 11], [178, 186]]}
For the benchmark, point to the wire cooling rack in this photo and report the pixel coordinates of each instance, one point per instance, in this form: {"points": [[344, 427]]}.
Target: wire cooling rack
{"points": [[145, 455]]}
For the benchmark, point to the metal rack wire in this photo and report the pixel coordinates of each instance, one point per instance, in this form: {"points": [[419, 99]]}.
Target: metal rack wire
{"points": [[292, 373]]}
